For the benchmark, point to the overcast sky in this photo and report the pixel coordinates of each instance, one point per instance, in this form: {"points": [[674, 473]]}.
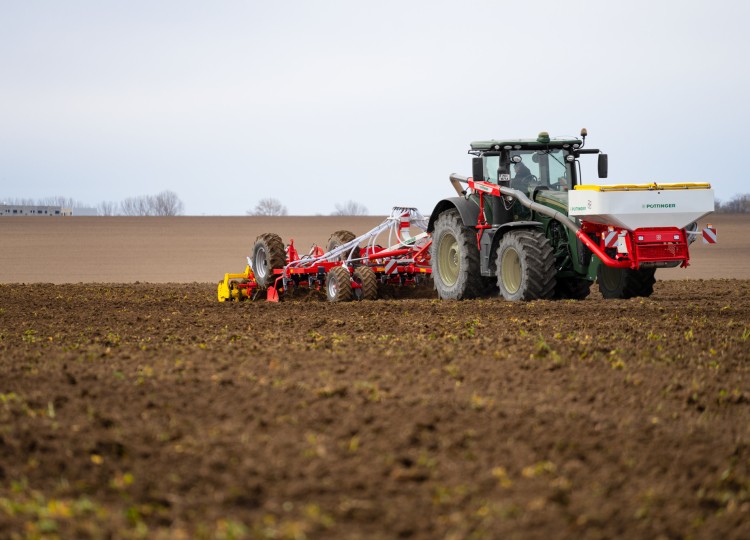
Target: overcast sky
{"points": [[316, 103]]}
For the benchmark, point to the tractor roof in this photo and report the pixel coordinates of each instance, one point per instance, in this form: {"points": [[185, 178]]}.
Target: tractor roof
{"points": [[540, 142]]}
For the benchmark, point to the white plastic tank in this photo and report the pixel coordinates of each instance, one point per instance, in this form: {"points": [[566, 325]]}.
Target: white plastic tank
{"points": [[635, 206]]}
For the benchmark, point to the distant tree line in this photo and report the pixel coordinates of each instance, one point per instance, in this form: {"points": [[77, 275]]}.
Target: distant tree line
{"points": [[166, 203], [65, 202], [273, 207], [739, 204]]}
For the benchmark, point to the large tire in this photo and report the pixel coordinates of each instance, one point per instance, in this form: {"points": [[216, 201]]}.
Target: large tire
{"points": [[525, 266], [625, 283], [368, 282], [572, 288], [339, 285], [268, 255], [340, 238], [455, 259]]}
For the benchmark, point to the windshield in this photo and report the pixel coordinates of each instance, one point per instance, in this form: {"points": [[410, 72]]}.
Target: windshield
{"points": [[546, 168]]}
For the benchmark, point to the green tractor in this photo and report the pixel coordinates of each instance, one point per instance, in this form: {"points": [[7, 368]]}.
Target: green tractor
{"points": [[510, 229]]}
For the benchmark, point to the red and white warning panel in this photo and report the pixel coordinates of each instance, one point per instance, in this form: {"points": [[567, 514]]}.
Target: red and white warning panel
{"points": [[610, 238], [391, 267], [709, 235]]}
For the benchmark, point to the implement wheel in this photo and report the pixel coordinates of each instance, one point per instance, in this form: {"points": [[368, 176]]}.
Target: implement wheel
{"points": [[268, 255], [455, 259], [624, 282], [525, 266], [339, 285], [340, 238], [368, 283]]}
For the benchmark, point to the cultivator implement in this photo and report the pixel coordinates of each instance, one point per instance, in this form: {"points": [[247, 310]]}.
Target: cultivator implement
{"points": [[351, 268]]}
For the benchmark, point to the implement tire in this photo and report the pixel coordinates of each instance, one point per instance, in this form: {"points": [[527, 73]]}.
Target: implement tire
{"points": [[268, 255], [368, 283], [340, 238], [339, 285], [625, 283], [455, 259], [525, 266]]}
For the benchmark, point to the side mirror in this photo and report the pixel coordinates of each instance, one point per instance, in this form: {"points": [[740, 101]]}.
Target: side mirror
{"points": [[602, 165], [477, 169]]}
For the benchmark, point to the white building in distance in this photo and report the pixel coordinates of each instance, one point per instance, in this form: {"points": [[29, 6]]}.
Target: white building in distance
{"points": [[26, 210]]}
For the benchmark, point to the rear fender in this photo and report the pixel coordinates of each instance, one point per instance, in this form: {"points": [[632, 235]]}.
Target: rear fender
{"points": [[469, 211]]}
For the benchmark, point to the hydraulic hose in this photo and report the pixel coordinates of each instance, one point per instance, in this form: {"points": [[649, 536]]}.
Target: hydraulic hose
{"points": [[569, 223], [536, 207]]}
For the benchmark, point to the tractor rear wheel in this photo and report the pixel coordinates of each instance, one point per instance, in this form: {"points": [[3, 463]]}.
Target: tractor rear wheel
{"points": [[368, 283], [572, 288], [455, 259], [268, 255], [625, 283], [339, 238], [339, 285], [525, 266]]}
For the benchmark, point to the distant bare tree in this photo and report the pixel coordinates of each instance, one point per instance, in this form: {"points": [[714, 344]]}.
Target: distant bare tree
{"points": [[136, 206], [167, 203], [739, 204], [19, 201], [59, 200], [350, 208], [268, 207], [107, 208]]}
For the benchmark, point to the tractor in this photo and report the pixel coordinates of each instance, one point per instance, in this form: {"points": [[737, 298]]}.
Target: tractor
{"points": [[526, 226]]}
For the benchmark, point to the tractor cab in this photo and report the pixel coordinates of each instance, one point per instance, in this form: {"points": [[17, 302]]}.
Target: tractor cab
{"points": [[544, 168]]}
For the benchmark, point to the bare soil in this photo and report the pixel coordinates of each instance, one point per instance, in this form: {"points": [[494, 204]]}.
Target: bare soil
{"points": [[142, 410]]}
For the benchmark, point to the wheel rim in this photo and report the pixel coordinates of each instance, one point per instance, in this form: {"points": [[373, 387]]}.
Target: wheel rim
{"points": [[261, 263], [511, 271], [609, 277], [449, 260], [332, 287]]}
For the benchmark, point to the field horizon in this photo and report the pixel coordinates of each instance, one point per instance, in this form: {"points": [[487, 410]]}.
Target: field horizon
{"points": [[186, 249]]}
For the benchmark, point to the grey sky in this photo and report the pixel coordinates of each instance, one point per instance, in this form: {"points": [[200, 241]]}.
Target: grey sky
{"points": [[320, 102]]}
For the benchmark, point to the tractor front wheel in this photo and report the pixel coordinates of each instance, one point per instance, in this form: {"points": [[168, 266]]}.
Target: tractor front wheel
{"points": [[625, 283], [339, 285], [525, 266], [455, 259], [268, 255]]}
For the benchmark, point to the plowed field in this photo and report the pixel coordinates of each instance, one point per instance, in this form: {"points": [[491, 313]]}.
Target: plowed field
{"points": [[139, 410]]}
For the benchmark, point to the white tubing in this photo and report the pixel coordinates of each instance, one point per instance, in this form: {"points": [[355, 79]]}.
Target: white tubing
{"points": [[392, 224]]}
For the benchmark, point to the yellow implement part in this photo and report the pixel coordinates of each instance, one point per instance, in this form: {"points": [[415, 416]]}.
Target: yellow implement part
{"points": [[645, 187], [227, 292]]}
